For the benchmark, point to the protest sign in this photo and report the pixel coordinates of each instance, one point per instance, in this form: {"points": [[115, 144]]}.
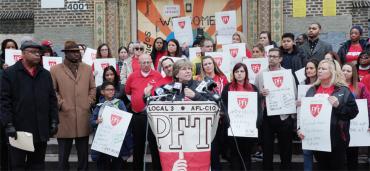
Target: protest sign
{"points": [[12, 56], [234, 52], [254, 66], [225, 26], [315, 123], [49, 62], [360, 136], [111, 133], [183, 30], [243, 111], [281, 97], [99, 66], [89, 56], [184, 132]]}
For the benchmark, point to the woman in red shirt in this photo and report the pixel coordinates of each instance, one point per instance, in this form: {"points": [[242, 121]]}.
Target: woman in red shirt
{"points": [[159, 50], [240, 82], [238, 37], [360, 92], [363, 65], [210, 69]]}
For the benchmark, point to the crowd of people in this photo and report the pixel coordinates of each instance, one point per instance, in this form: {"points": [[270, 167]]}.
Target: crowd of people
{"points": [[66, 104]]}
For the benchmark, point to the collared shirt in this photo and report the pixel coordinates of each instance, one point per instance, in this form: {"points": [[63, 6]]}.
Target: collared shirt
{"points": [[313, 44]]}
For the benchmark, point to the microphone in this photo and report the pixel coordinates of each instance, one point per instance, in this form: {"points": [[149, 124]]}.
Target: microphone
{"points": [[159, 94], [168, 88], [201, 87], [210, 84], [177, 87]]}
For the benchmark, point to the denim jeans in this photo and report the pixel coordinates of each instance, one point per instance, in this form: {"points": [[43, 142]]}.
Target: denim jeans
{"points": [[307, 160]]}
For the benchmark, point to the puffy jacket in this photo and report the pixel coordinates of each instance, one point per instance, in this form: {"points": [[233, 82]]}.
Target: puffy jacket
{"points": [[343, 50], [341, 115]]}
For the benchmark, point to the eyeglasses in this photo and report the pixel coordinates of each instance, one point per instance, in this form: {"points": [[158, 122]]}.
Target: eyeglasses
{"points": [[364, 57], [141, 49]]}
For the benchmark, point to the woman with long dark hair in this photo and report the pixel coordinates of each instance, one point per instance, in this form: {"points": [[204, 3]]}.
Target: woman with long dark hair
{"points": [[174, 49], [240, 82], [6, 44], [159, 50], [103, 51]]}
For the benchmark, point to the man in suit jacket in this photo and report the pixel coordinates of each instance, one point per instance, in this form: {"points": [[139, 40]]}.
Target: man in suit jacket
{"points": [[75, 89], [314, 47]]}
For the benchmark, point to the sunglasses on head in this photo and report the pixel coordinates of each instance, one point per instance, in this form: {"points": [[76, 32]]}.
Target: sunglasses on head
{"points": [[141, 49]]}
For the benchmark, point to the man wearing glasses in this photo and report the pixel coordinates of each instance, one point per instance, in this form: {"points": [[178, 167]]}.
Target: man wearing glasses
{"points": [[137, 83], [268, 126], [138, 50], [28, 103]]}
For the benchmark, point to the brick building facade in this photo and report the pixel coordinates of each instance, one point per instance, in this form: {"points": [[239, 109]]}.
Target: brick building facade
{"points": [[110, 21]]}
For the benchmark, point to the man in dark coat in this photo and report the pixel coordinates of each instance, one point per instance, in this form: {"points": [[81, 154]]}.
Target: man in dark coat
{"points": [[28, 103], [314, 47]]}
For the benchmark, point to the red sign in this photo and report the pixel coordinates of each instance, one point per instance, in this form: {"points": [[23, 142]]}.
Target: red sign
{"points": [[182, 24], [242, 102], [52, 63], [17, 57], [225, 19], [256, 68], [278, 81], [104, 65], [218, 61], [115, 119], [234, 52], [315, 109], [194, 161]]}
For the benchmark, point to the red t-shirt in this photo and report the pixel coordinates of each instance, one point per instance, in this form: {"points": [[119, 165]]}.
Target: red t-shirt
{"points": [[221, 81], [248, 53], [135, 64], [353, 52], [135, 86], [239, 87], [157, 58], [328, 90], [366, 81]]}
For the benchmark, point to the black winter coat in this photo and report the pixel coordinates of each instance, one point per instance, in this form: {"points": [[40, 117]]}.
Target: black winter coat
{"points": [[29, 103], [341, 115]]}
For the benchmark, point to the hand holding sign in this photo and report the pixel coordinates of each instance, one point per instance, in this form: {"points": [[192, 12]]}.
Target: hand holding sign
{"points": [[333, 101], [180, 164]]}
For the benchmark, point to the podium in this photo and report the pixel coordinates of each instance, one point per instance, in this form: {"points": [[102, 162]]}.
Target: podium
{"points": [[184, 131]]}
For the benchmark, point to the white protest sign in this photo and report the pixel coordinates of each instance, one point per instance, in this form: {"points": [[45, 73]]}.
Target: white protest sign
{"points": [[183, 30], [99, 66], [111, 132], [267, 49], [300, 74], [225, 26], [171, 10], [315, 123], [234, 52], [184, 131], [254, 66], [281, 97], [243, 111], [222, 62], [12, 56], [194, 52], [302, 90], [360, 136], [49, 62], [89, 56]]}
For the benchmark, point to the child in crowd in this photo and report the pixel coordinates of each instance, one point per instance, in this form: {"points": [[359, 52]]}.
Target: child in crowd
{"points": [[104, 161]]}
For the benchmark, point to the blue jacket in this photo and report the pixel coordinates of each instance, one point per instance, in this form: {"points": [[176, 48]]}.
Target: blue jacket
{"points": [[128, 144]]}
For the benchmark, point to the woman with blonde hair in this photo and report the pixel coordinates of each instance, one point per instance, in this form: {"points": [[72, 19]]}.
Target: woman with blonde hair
{"points": [[331, 83], [209, 69], [258, 51], [238, 37]]}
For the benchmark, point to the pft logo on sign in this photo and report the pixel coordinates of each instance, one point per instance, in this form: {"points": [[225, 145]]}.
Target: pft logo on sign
{"points": [[225, 19], [278, 81], [234, 52], [242, 102], [256, 68], [315, 109], [181, 24]]}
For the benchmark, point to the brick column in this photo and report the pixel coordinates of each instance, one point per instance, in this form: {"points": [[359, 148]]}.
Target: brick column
{"points": [[252, 25], [112, 26], [277, 19], [124, 22], [99, 22]]}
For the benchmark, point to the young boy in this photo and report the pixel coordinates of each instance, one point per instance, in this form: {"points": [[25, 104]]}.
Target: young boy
{"points": [[104, 161]]}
